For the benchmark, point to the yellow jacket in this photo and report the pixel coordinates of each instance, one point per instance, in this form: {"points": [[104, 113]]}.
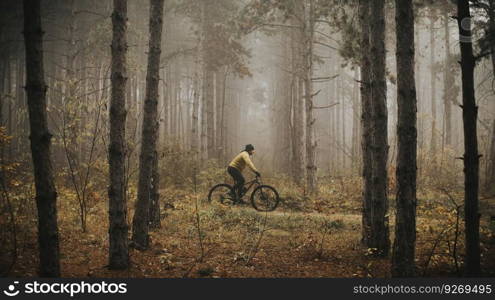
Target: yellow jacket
{"points": [[241, 160]]}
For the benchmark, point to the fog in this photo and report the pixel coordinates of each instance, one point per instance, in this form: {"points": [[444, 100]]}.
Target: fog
{"points": [[77, 45]]}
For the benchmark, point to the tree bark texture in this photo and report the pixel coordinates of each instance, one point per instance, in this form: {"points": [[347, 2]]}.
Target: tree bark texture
{"points": [[471, 156], [491, 164], [366, 125], [154, 209], [405, 225], [118, 249], [490, 180], [140, 222], [195, 109], [298, 107], [46, 194], [433, 90], [449, 82], [308, 97], [379, 209]]}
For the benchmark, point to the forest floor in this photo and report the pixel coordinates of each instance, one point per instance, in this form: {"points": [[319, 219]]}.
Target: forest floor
{"points": [[318, 239]]}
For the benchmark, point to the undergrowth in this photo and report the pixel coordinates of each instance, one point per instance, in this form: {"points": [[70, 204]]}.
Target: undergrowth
{"points": [[309, 235]]}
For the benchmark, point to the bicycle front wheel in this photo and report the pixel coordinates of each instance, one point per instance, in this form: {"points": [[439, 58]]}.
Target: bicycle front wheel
{"points": [[265, 198], [222, 193]]}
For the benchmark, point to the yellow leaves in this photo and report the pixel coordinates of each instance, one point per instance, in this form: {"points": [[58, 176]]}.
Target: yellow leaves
{"points": [[371, 251], [15, 182], [4, 137], [10, 167], [166, 259]]}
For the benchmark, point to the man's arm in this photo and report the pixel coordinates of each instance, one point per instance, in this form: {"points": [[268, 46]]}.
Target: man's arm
{"points": [[249, 163]]}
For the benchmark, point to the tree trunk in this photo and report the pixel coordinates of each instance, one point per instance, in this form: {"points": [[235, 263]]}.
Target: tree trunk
{"points": [[471, 156], [147, 161], [3, 75], [9, 107], [380, 231], [297, 108], [17, 128], [285, 159], [491, 164], [46, 194], [195, 111], [366, 122], [433, 142], [180, 118], [343, 126], [491, 22], [204, 133], [405, 224], [71, 125], [208, 84], [449, 82], [161, 109], [119, 251], [219, 103], [336, 126], [281, 113], [174, 85], [203, 139], [355, 126], [222, 129], [176, 109], [167, 100], [299, 131], [308, 85], [491, 157], [154, 210], [419, 87], [210, 121]]}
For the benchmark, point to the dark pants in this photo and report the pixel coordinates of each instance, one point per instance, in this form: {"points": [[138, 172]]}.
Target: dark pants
{"points": [[238, 179]]}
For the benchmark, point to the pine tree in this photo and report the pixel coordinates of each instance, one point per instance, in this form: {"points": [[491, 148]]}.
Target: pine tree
{"points": [[405, 224], [148, 162], [379, 222], [471, 156], [40, 137], [118, 250]]}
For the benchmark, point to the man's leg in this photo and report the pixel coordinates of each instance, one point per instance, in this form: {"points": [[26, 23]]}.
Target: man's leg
{"points": [[238, 179], [231, 173]]}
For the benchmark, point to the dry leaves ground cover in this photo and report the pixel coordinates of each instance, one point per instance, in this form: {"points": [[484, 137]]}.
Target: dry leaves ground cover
{"points": [[316, 236]]}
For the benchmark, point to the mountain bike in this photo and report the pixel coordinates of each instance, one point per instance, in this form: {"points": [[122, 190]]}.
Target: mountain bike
{"points": [[263, 197]]}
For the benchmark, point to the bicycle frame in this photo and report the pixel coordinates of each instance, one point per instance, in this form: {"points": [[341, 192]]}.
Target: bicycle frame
{"points": [[250, 184]]}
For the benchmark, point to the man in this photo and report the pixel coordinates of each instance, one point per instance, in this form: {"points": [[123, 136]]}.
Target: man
{"points": [[238, 164]]}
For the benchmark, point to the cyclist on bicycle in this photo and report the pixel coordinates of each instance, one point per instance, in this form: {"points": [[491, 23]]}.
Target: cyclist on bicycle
{"points": [[238, 164]]}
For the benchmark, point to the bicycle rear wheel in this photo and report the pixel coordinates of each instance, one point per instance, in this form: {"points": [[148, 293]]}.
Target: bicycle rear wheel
{"points": [[265, 198], [222, 193]]}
